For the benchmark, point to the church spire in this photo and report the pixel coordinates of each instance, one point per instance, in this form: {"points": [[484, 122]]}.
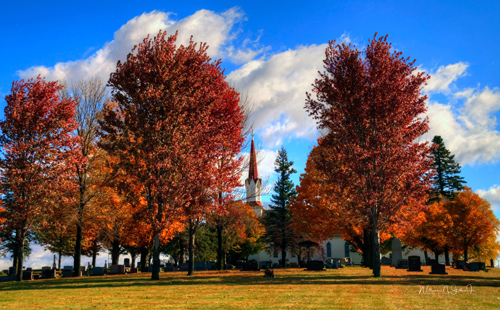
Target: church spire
{"points": [[253, 174]]}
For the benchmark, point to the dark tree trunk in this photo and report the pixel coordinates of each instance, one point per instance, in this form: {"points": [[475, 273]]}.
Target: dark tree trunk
{"points": [[283, 252], [436, 256], [447, 255], [368, 248], [155, 274], [94, 258], [20, 254], [15, 260], [59, 261], [220, 248], [115, 252], [426, 257], [192, 238], [78, 250], [466, 257], [144, 258], [376, 247]]}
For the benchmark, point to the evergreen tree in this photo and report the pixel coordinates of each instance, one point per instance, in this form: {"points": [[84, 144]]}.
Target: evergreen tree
{"points": [[447, 181], [278, 220]]}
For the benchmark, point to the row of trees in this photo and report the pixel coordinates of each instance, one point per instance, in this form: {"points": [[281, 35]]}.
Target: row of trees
{"points": [[80, 172]]}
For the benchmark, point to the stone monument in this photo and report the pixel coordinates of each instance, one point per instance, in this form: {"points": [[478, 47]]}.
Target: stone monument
{"points": [[397, 254]]}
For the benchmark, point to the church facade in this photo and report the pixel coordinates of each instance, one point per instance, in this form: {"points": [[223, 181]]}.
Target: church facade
{"points": [[335, 247]]}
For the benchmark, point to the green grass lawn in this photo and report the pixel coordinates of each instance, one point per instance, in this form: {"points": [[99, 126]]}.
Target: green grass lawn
{"points": [[348, 288]]}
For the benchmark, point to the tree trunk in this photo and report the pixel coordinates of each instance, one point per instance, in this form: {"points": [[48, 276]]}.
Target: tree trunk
{"points": [[192, 237], [59, 261], [115, 252], [447, 255], [220, 248], [94, 258], [144, 258], [376, 247], [15, 260], [182, 251], [155, 274], [283, 252], [426, 257], [78, 250], [436, 256], [133, 259], [466, 257], [20, 254]]}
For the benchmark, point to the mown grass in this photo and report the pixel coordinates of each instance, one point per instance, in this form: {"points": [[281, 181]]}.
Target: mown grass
{"points": [[348, 288]]}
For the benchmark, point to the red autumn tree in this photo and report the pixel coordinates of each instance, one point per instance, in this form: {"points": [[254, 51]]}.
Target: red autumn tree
{"points": [[39, 154], [175, 117], [370, 105], [474, 223]]}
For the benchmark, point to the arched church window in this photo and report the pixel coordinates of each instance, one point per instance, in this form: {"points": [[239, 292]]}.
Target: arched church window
{"points": [[328, 249], [347, 249]]}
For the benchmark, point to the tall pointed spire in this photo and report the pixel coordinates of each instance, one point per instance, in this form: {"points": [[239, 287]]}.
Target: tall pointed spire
{"points": [[253, 173]]}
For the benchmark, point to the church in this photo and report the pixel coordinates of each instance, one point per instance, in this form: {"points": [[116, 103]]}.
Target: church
{"points": [[335, 247]]}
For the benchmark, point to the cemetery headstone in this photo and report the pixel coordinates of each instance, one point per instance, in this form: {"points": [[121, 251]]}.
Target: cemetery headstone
{"points": [[251, 266], [48, 273], [414, 263], [12, 270], [183, 267], [134, 270], [27, 275], [460, 264], [438, 269], [169, 268], [67, 271], [117, 269], [97, 271], [315, 265], [397, 253]]}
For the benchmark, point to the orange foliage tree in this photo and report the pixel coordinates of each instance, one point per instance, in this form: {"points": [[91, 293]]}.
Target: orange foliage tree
{"points": [[473, 222]]}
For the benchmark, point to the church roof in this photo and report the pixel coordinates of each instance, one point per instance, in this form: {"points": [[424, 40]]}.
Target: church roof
{"points": [[253, 174]]}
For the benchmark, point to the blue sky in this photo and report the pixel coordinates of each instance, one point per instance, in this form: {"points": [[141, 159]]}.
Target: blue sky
{"points": [[272, 50]]}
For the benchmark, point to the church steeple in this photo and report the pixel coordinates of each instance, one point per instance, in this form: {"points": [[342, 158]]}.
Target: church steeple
{"points": [[253, 184], [253, 173]]}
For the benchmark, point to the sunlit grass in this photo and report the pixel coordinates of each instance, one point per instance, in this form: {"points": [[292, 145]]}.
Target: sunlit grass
{"points": [[348, 288]]}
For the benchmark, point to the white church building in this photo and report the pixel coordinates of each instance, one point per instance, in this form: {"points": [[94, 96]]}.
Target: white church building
{"points": [[335, 247]]}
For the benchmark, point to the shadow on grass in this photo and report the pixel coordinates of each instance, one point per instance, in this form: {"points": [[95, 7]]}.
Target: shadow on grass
{"points": [[253, 278]]}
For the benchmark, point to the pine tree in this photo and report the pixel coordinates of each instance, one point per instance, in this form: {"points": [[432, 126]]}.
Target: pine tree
{"points": [[278, 220], [447, 181]]}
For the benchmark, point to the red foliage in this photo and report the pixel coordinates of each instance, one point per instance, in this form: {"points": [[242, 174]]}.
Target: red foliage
{"points": [[39, 152], [175, 117], [371, 108]]}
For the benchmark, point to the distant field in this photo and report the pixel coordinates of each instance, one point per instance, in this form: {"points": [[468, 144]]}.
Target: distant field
{"points": [[348, 288]]}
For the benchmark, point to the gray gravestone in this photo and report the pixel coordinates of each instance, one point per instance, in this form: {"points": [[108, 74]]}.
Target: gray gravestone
{"points": [[414, 263], [397, 254], [402, 264]]}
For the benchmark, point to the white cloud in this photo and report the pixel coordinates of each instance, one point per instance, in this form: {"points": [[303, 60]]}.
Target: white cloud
{"points": [[441, 80], [277, 89], [205, 26], [469, 131], [492, 195]]}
